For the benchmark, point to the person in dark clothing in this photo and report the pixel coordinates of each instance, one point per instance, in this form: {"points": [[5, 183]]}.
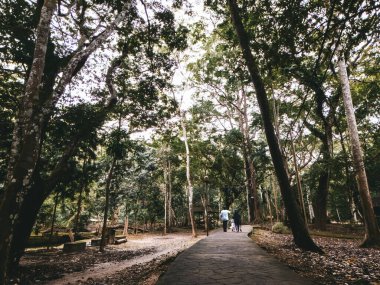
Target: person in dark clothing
{"points": [[237, 221]]}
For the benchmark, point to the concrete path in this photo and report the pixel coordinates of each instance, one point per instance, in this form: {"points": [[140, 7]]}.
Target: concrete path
{"points": [[228, 258]]}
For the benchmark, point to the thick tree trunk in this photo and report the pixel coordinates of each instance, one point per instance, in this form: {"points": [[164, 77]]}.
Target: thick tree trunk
{"points": [[326, 138], [320, 203], [349, 179], [188, 177], [28, 215], [34, 113], [26, 138], [298, 226], [372, 234], [105, 216]]}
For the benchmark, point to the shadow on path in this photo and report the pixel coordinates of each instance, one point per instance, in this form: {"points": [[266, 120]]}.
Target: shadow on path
{"points": [[228, 258]]}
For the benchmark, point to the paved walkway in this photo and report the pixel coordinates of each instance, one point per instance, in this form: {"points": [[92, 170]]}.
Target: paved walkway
{"points": [[228, 258]]}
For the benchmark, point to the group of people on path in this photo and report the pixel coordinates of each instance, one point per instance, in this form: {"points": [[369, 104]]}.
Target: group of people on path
{"points": [[235, 222]]}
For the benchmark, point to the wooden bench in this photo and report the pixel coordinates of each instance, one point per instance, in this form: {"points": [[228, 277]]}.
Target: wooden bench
{"points": [[96, 242], [74, 246], [120, 239]]}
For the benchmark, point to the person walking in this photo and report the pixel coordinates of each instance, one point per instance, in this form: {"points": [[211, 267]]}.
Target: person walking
{"points": [[224, 217], [237, 221]]}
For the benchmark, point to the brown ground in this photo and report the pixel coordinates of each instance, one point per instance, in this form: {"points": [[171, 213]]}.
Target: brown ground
{"points": [[343, 262], [139, 261]]}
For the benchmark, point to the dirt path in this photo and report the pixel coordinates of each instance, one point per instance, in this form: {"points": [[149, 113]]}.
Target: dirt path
{"points": [[147, 249]]}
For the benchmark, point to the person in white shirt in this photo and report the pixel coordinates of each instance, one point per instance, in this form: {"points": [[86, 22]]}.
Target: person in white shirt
{"points": [[224, 217]]}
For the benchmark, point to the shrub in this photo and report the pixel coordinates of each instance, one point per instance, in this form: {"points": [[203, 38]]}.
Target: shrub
{"points": [[280, 228], [37, 241]]}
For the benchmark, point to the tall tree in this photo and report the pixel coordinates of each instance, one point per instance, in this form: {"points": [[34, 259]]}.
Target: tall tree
{"points": [[63, 65], [298, 225], [25, 148], [190, 190], [372, 234]]}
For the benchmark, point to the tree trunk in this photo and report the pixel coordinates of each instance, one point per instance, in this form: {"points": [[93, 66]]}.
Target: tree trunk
{"points": [[372, 233], [189, 184], [299, 186], [53, 219], [79, 204], [105, 217], [349, 179], [79, 210], [297, 223], [26, 137], [251, 187], [34, 113], [326, 150], [252, 172], [170, 216], [28, 215], [274, 191], [165, 198]]}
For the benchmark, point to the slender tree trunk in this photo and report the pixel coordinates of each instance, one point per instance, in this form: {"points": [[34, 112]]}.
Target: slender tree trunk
{"points": [[274, 191], [248, 186], [105, 217], [165, 198], [79, 204], [79, 210], [188, 177], [135, 217], [53, 220], [126, 220], [299, 186], [269, 208], [252, 172], [297, 223], [372, 234], [170, 217], [249, 170]]}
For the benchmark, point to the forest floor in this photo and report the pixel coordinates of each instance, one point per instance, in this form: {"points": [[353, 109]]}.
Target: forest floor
{"points": [[139, 261], [142, 259], [344, 262]]}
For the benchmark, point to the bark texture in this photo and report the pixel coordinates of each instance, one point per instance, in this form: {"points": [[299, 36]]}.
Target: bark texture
{"points": [[298, 226], [188, 177], [25, 144], [250, 173], [103, 241], [372, 235], [25, 191]]}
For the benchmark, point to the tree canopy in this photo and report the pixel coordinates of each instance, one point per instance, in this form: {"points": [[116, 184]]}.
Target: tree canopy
{"points": [[149, 110]]}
